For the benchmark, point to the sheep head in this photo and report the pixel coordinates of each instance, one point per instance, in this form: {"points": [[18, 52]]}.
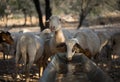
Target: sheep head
{"points": [[71, 46], [46, 34], [55, 23], [6, 37]]}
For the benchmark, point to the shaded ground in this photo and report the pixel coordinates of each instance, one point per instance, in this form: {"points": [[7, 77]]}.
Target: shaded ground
{"points": [[7, 71], [7, 67]]}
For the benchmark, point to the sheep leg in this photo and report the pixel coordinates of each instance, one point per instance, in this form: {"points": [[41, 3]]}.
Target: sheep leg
{"points": [[40, 70], [18, 57], [42, 67], [3, 56], [27, 71], [31, 57], [39, 65]]}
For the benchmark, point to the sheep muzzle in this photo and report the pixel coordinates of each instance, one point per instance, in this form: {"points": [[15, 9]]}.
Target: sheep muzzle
{"points": [[52, 28]]}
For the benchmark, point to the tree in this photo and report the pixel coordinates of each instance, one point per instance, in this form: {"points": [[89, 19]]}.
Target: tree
{"points": [[4, 11], [48, 12], [25, 6], [86, 7]]}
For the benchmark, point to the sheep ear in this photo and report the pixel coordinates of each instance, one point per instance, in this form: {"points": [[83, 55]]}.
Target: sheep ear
{"points": [[77, 48], [77, 45]]}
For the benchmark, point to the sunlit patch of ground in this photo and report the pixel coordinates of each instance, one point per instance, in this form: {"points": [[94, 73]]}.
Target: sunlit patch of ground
{"points": [[6, 56], [18, 21]]}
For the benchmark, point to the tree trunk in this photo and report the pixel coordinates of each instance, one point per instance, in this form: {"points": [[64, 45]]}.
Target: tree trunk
{"points": [[30, 19], [48, 12], [81, 18], [25, 16], [38, 9], [83, 15]]}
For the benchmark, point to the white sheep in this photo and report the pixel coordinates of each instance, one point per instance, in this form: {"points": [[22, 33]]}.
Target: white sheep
{"points": [[104, 35], [15, 35], [88, 40], [59, 35], [30, 49], [85, 41]]}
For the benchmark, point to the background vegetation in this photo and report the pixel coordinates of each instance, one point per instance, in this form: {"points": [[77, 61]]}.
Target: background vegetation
{"points": [[80, 10]]}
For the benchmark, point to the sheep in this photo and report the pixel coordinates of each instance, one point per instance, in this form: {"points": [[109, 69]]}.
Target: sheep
{"points": [[59, 35], [111, 46], [30, 49], [5, 40], [109, 53], [12, 48], [16, 36], [46, 53], [79, 69], [5, 49], [85, 41], [103, 36]]}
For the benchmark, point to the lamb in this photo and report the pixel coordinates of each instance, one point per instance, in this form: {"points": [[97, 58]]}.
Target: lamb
{"points": [[30, 49]]}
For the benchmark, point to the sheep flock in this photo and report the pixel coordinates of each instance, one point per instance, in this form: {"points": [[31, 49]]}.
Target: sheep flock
{"points": [[100, 49]]}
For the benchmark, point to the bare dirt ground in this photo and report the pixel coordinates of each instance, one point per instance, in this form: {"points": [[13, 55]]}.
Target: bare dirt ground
{"points": [[7, 67]]}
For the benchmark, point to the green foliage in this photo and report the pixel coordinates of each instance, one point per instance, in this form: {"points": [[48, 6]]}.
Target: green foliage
{"points": [[75, 6], [3, 6], [16, 6], [60, 6]]}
